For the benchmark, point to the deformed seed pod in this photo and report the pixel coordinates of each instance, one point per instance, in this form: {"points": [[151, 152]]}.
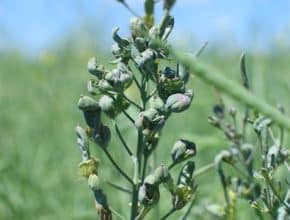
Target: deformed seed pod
{"points": [[88, 167], [183, 194], [95, 69], [120, 41], [87, 103], [149, 194], [183, 150], [149, 120], [91, 111], [162, 175], [179, 102], [261, 122], [94, 182], [102, 136], [119, 78], [186, 173], [83, 142]]}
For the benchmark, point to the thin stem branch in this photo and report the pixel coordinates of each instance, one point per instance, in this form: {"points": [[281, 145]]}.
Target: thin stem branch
{"points": [[117, 166], [120, 188], [132, 102], [203, 170], [171, 211], [122, 140]]}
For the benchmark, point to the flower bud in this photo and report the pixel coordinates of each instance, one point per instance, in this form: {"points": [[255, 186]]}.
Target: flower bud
{"points": [[138, 27], [183, 150], [94, 182], [179, 102], [154, 32], [95, 69], [88, 167], [140, 44], [182, 196]]}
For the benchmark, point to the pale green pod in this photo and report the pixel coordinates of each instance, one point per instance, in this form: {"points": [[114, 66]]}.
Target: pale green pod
{"points": [[182, 150], [87, 103], [108, 106], [179, 102], [94, 182], [138, 27], [95, 69]]}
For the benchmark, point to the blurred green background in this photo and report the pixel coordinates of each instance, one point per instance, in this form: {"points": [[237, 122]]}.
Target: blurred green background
{"points": [[38, 114]]}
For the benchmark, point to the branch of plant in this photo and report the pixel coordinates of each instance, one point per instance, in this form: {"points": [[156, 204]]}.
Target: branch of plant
{"points": [[127, 148]]}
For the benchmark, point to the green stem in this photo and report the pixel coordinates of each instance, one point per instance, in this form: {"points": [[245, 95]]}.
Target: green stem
{"points": [[122, 140], [120, 188], [117, 214], [168, 214], [213, 77], [117, 166], [203, 170]]}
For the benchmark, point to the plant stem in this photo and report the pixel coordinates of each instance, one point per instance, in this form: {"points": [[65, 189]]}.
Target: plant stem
{"points": [[122, 140], [117, 166], [168, 214], [203, 170], [188, 209], [120, 188]]}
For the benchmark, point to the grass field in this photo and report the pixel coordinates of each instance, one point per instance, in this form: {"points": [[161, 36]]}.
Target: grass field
{"points": [[38, 114]]}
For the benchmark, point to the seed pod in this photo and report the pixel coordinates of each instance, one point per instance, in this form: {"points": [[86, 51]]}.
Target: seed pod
{"points": [[186, 173], [166, 26], [140, 44], [162, 175], [108, 106], [146, 61], [95, 69], [86, 103], [120, 41], [94, 182], [102, 136], [183, 150], [149, 194], [149, 121], [91, 111], [138, 27], [179, 102], [92, 87], [83, 142], [119, 78]]}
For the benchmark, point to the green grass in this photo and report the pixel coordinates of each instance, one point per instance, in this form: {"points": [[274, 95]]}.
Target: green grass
{"points": [[38, 114]]}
